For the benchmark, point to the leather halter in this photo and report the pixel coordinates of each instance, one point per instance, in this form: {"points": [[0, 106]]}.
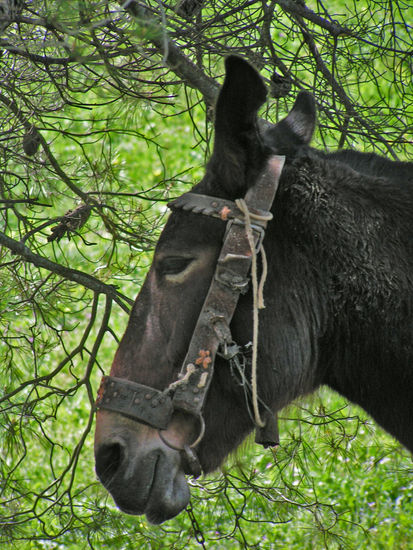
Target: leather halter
{"points": [[188, 393]]}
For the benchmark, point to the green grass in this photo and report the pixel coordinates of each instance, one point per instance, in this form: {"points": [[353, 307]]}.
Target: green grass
{"points": [[335, 482]]}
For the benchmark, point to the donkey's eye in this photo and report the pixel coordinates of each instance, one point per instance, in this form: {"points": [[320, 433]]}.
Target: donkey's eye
{"points": [[174, 265]]}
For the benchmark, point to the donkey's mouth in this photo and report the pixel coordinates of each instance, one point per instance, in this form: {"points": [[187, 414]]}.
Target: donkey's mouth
{"points": [[142, 474], [169, 493], [159, 490]]}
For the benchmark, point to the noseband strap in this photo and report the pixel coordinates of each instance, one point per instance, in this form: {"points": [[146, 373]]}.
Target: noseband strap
{"points": [[135, 401], [188, 393]]}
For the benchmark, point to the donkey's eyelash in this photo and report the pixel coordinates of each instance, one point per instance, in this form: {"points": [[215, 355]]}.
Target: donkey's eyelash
{"points": [[174, 265]]}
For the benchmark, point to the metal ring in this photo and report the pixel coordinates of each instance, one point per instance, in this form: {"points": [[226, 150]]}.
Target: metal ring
{"points": [[194, 444]]}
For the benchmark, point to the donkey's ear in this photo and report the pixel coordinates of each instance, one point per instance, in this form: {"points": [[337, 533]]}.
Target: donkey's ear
{"points": [[237, 145], [240, 97], [296, 129], [301, 120]]}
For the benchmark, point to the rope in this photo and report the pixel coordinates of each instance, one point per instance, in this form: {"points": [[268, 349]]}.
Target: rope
{"points": [[190, 368], [260, 290], [258, 297]]}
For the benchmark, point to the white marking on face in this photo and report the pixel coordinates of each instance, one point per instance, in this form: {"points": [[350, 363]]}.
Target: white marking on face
{"points": [[182, 276]]}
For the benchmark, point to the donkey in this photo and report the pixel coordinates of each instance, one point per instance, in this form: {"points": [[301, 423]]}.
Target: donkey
{"points": [[338, 297]]}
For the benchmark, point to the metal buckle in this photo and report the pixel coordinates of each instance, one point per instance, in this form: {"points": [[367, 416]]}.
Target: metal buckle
{"points": [[259, 229], [228, 275]]}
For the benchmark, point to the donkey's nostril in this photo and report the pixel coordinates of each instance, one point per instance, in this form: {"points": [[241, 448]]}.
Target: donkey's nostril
{"points": [[108, 460]]}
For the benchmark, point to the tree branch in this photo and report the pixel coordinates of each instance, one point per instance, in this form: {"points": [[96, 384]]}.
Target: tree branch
{"points": [[28, 126], [297, 8], [173, 57], [74, 275], [337, 88]]}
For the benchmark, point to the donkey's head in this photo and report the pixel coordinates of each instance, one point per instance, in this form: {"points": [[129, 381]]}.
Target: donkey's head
{"points": [[143, 473]]}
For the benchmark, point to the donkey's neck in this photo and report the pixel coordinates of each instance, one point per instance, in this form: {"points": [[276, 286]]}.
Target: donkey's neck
{"points": [[350, 232]]}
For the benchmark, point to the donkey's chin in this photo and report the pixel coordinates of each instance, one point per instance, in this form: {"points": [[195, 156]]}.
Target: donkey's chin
{"points": [[166, 497]]}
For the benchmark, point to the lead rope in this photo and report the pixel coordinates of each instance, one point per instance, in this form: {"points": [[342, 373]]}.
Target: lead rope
{"points": [[258, 297]]}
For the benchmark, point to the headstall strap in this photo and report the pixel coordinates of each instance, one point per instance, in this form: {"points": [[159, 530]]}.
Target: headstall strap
{"points": [[231, 278], [188, 393], [222, 209]]}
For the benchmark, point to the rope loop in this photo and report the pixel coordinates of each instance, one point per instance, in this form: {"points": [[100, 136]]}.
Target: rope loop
{"points": [[258, 297]]}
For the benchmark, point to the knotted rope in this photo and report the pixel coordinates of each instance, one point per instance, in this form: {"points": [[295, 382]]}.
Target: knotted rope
{"points": [[258, 297]]}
